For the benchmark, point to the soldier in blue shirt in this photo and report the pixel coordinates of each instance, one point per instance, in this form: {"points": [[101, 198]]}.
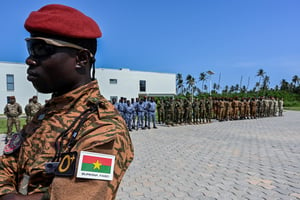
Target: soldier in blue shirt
{"points": [[140, 114], [134, 114], [151, 112], [129, 110]]}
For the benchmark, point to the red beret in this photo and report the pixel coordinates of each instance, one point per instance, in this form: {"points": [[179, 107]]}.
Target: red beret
{"points": [[62, 20]]}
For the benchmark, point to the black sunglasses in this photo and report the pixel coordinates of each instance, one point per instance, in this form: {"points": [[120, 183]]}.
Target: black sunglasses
{"points": [[44, 47], [39, 48]]}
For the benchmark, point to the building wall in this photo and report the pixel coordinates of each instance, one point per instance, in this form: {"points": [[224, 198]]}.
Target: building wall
{"points": [[128, 83], [157, 84], [23, 89]]}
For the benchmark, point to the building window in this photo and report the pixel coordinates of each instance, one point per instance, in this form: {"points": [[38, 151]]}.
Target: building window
{"points": [[10, 84], [142, 86], [113, 81], [114, 98]]}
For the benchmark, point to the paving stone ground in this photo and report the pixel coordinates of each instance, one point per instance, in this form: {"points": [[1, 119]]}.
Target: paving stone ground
{"points": [[247, 159], [240, 160]]}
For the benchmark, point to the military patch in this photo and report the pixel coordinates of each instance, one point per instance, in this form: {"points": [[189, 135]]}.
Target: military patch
{"points": [[13, 144], [95, 166], [67, 164]]}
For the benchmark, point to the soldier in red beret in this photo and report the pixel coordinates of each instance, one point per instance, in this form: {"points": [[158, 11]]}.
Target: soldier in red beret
{"points": [[77, 146]]}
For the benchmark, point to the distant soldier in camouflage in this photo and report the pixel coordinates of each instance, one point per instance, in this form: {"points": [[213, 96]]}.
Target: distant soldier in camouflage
{"points": [[196, 111], [34, 107], [181, 111], [78, 130], [27, 111], [253, 108], [247, 108], [160, 110], [169, 110], [280, 107], [202, 110], [242, 108], [188, 111], [222, 110], [275, 109], [235, 108], [228, 108], [12, 111], [176, 111], [209, 109]]}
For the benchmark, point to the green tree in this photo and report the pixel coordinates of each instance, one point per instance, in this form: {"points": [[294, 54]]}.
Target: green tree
{"points": [[202, 78], [190, 81], [179, 84], [260, 74], [296, 80], [284, 85]]}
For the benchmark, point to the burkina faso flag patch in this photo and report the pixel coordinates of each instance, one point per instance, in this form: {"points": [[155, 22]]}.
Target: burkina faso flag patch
{"points": [[95, 166]]}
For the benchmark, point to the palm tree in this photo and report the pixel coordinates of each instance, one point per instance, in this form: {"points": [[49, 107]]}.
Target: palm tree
{"points": [[202, 78], [215, 87], [261, 75], [190, 81], [284, 85], [232, 88], [266, 83], [179, 84], [296, 80], [256, 85], [236, 87], [226, 88]]}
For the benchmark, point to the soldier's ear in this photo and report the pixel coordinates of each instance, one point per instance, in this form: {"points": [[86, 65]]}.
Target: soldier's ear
{"points": [[82, 59]]}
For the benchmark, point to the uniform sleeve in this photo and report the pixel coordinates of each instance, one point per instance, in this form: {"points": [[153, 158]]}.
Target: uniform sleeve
{"points": [[6, 110], [8, 169], [19, 110], [108, 140]]}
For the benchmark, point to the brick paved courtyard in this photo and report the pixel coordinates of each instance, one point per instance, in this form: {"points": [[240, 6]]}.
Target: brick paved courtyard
{"points": [[248, 159]]}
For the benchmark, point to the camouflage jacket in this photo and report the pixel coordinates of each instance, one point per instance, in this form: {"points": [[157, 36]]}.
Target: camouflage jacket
{"points": [[13, 110], [103, 131], [34, 108]]}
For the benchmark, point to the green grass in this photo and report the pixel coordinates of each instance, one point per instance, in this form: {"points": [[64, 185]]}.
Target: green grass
{"points": [[3, 128], [292, 108]]}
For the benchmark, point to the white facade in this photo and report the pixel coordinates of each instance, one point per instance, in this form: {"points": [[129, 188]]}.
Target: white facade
{"points": [[112, 82], [126, 83]]}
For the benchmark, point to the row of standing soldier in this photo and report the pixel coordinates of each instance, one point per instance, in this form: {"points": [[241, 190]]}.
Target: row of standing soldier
{"points": [[139, 113], [13, 110]]}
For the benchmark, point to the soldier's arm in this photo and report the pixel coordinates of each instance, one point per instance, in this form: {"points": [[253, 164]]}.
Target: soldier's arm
{"points": [[108, 139], [6, 110], [20, 110], [8, 174]]}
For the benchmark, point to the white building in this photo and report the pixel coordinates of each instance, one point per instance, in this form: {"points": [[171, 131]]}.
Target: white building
{"points": [[113, 84]]}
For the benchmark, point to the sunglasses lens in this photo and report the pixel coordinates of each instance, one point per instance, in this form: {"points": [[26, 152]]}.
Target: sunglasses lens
{"points": [[38, 48]]}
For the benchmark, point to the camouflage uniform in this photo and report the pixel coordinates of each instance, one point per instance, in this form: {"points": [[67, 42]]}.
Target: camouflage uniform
{"points": [[32, 110], [280, 107], [196, 111], [188, 111], [253, 108], [12, 112], [103, 131], [209, 109], [222, 110], [202, 111]]}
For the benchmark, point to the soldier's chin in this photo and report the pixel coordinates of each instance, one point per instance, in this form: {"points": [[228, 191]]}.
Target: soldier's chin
{"points": [[41, 88]]}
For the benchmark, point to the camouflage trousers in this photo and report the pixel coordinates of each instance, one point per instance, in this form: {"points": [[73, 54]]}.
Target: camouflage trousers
{"points": [[12, 121]]}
